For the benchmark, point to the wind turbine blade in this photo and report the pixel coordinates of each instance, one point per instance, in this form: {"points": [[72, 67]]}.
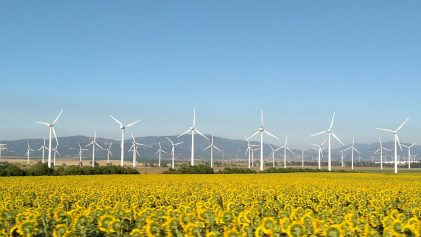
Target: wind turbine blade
{"points": [[387, 149], [119, 123], [378, 150], [402, 125], [55, 121], [207, 147], [254, 134], [333, 119], [163, 152], [133, 137], [217, 148], [386, 130], [324, 142], [201, 134], [415, 143], [194, 117], [380, 141], [55, 135], [178, 143], [170, 141], [261, 118], [111, 154], [270, 134], [137, 152], [397, 138], [99, 146], [337, 139], [111, 144], [290, 150], [58, 153], [184, 133], [129, 125], [356, 150], [320, 133], [47, 124], [80, 147]]}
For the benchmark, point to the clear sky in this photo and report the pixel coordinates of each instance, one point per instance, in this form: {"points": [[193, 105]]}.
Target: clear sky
{"points": [[299, 61]]}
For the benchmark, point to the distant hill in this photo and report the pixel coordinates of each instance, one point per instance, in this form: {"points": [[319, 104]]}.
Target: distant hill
{"points": [[233, 149]]}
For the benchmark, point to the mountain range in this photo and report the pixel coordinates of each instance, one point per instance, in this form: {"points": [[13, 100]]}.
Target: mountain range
{"points": [[232, 149]]}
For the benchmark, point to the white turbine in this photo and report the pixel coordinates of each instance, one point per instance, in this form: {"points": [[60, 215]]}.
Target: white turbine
{"points": [[134, 149], [51, 132], [43, 148], [109, 153], [330, 134], [285, 147], [319, 149], [342, 158], [381, 153], [93, 144], [159, 151], [396, 138], [302, 158], [2, 148], [262, 131], [250, 152], [173, 152], [211, 147], [193, 129], [55, 153], [123, 128], [352, 148], [273, 155], [409, 153], [28, 151], [80, 153]]}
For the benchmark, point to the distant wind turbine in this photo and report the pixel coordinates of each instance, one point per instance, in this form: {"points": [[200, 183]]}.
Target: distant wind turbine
{"points": [[396, 138], [173, 151], [109, 153], [80, 153], [211, 147], [330, 134], [28, 151], [285, 147], [262, 131], [381, 153], [51, 132], [93, 144], [409, 153], [159, 154], [43, 148], [2, 148], [274, 149], [352, 148], [302, 158], [319, 149], [134, 149], [123, 128], [193, 130]]}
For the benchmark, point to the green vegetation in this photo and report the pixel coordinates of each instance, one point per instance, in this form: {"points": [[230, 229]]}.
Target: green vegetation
{"points": [[41, 169], [188, 169]]}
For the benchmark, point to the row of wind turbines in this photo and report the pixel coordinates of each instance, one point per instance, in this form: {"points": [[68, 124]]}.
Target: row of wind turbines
{"points": [[193, 130]]}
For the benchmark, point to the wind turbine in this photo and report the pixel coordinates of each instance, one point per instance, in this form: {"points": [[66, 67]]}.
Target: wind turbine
{"points": [[396, 138], [43, 148], [109, 153], [285, 147], [262, 131], [123, 128], [56, 153], [409, 153], [211, 147], [193, 129], [302, 158], [28, 151], [352, 148], [134, 149], [342, 158], [249, 150], [330, 134], [51, 131], [173, 151], [93, 144], [319, 149], [273, 155], [2, 148], [159, 151], [80, 153], [381, 153]]}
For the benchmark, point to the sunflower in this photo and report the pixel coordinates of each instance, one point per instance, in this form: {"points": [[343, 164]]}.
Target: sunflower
{"points": [[27, 228], [334, 231], [231, 233], [60, 230], [296, 229], [104, 223], [136, 233]]}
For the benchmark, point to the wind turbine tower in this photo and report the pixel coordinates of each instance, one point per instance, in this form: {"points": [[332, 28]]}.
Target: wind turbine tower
{"points": [[330, 134], [51, 132], [123, 128], [211, 147], [262, 131], [173, 151], [396, 138], [193, 130]]}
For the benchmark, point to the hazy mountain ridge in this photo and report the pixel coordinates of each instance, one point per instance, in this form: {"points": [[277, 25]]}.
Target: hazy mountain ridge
{"points": [[232, 149]]}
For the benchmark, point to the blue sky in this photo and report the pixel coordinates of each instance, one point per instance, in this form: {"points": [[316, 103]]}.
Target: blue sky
{"points": [[299, 61]]}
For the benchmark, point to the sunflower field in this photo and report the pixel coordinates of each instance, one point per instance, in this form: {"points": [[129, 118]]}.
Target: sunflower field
{"points": [[297, 204]]}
